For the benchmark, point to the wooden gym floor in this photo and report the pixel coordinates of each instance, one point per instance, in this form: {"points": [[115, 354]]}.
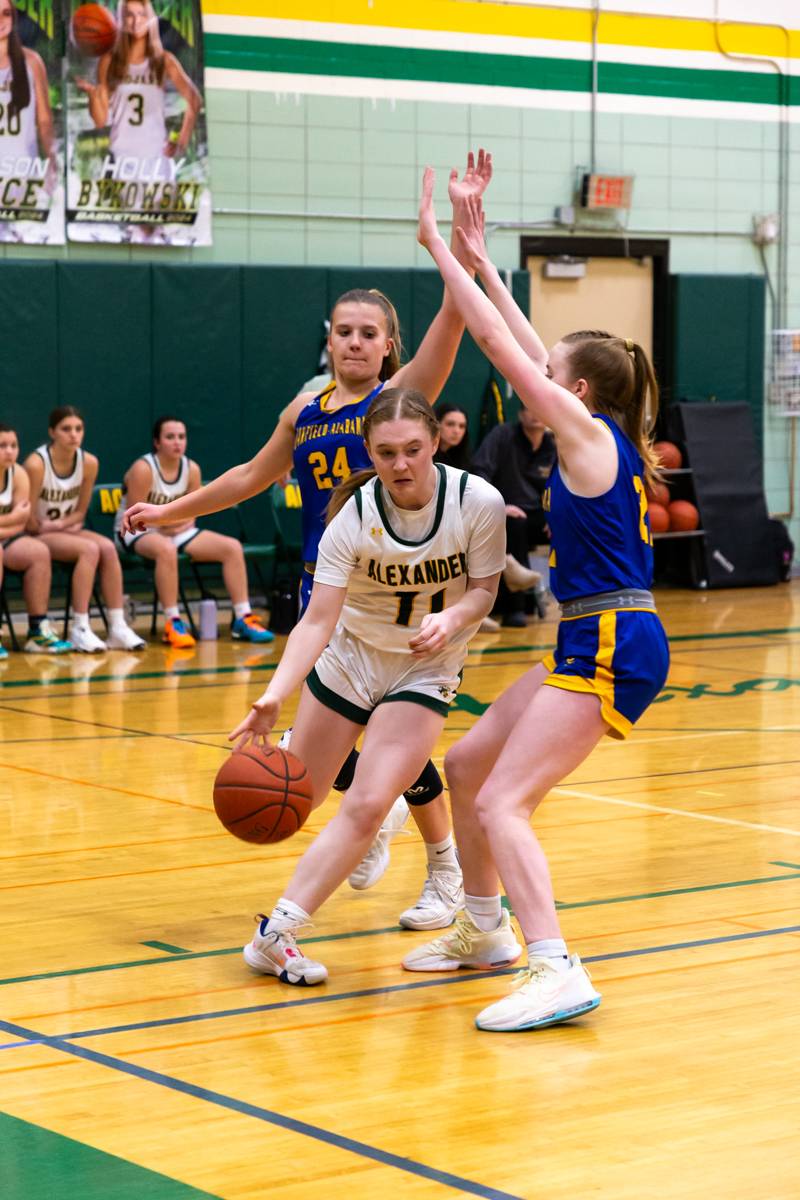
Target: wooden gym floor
{"points": [[140, 1058]]}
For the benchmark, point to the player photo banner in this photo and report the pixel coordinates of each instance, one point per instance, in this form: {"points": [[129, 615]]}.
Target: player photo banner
{"points": [[31, 122], [137, 153]]}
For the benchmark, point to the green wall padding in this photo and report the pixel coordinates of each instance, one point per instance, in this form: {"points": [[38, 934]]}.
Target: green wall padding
{"points": [[29, 359], [718, 340]]}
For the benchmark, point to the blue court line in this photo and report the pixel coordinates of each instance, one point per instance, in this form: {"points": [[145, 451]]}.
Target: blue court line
{"points": [[417, 985], [384, 1157]]}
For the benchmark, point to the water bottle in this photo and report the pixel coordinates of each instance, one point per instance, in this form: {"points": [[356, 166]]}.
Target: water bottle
{"points": [[208, 620]]}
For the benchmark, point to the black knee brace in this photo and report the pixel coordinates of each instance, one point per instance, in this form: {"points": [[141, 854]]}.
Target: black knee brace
{"points": [[345, 777], [427, 788]]}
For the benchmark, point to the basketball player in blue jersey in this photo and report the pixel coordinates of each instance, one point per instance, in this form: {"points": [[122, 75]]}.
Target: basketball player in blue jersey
{"points": [[596, 392], [320, 438]]}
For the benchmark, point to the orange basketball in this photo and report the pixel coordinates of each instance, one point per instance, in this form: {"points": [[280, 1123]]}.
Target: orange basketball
{"points": [[683, 516], [94, 29], [659, 518], [262, 795], [669, 455], [658, 493]]}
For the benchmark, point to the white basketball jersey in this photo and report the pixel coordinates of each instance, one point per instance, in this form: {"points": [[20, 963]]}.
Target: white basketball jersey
{"points": [[138, 129], [396, 581], [7, 492], [59, 494], [161, 490], [18, 137]]}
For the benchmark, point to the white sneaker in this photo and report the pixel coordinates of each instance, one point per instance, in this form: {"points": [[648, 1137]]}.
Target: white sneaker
{"points": [[122, 637], [376, 860], [467, 946], [442, 897], [84, 640], [542, 996], [275, 952]]}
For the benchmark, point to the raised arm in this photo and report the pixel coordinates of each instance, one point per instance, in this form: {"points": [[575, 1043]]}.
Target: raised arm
{"points": [[239, 483], [587, 450], [476, 256], [430, 367]]}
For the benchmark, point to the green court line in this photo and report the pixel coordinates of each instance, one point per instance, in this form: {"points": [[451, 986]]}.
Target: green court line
{"points": [[177, 955], [794, 866], [166, 947], [230, 670], [38, 1162]]}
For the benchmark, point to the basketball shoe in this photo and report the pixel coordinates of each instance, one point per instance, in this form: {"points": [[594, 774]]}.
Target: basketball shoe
{"points": [[467, 946], [85, 640], [177, 635], [441, 898], [376, 860], [46, 641], [274, 951], [122, 637], [542, 996], [250, 629]]}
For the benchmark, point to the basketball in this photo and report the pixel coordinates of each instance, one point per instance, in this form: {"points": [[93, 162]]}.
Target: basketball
{"points": [[262, 795], [659, 518], [669, 455], [683, 516], [94, 29], [658, 493]]}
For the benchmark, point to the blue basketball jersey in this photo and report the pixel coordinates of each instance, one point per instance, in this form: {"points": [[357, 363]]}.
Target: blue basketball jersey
{"points": [[328, 446], [604, 543]]}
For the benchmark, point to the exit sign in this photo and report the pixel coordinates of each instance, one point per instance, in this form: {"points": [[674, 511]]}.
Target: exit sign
{"points": [[606, 191]]}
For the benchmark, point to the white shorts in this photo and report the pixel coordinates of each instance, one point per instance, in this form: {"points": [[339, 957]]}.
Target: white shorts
{"points": [[353, 678], [179, 540]]}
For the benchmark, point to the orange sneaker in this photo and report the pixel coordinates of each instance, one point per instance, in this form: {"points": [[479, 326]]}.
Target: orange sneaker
{"points": [[177, 635]]}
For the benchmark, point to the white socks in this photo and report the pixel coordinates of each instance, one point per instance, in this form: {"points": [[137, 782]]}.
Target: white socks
{"points": [[442, 854], [241, 610], [116, 619], [80, 620], [172, 612], [486, 911], [286, 914], [553, 949]]}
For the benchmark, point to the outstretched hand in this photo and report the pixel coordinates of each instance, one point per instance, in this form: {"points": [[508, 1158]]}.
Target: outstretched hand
{"points": [[476, 179], [427, 229], [471, 233], [257, 725]]}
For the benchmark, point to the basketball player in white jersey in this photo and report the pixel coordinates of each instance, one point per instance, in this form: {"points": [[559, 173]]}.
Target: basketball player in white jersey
{"points": [[158, 478], [26, 119], [407, 569], [130, 94], [62, 476], [20, 552]]}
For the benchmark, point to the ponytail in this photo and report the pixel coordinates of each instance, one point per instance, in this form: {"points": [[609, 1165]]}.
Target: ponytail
{"points": [[623, 386], [344, 490]]}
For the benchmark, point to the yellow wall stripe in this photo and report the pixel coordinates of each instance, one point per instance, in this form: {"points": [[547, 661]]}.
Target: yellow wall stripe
{"points": [[553, 24]]}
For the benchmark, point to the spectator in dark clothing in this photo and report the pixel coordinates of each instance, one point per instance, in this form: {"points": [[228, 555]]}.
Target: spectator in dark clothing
{"points": [[517, 459], [454, 448]]}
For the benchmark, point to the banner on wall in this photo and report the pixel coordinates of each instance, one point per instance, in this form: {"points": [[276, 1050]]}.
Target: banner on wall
{"points": [[137, 152], [31, 123]]}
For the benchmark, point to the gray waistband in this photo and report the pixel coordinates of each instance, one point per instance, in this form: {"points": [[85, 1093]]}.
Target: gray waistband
{"points": [[632, 598]]}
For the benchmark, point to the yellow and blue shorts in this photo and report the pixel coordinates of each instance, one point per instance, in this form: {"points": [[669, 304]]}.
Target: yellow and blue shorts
{"points": [[621, 656]]}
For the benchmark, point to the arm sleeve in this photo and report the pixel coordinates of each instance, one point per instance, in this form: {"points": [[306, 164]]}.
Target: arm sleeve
{"points": [[484, 512], [338, 552]]}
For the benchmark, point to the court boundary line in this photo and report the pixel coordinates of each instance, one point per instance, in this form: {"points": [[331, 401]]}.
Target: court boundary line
{"points": [[317, 1133], [561, 905], [679, 812], [389, 989]]}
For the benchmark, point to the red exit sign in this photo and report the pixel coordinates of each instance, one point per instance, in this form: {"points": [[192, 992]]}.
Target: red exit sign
{"points": [[607, 191]]}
